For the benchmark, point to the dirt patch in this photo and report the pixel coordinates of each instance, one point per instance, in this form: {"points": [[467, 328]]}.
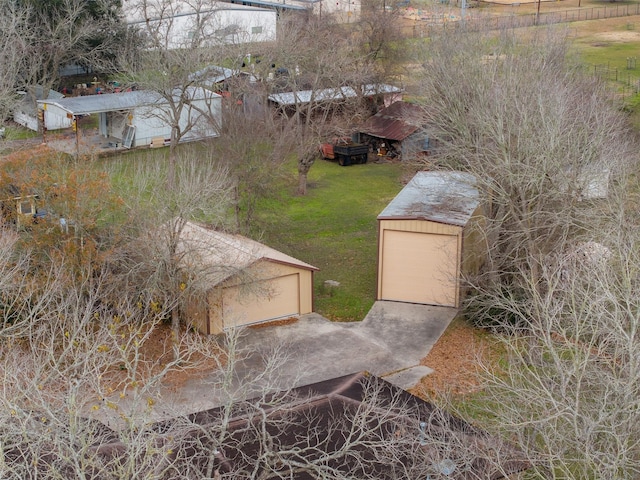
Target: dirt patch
{"points": [[619, 37], [455, 359]]}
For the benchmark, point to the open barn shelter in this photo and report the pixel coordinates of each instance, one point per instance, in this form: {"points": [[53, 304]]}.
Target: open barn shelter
{"points": [[429, 235], [398, 129], [139, 118], [241, 281]]}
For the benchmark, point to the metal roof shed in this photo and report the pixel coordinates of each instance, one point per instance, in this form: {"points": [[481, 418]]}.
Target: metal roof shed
{"points": [[137, 118], [25, 112], [245, 281], [401, 123], [332, 95], [428, 236]]}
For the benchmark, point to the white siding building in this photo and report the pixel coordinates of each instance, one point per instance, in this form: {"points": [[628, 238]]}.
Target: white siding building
{"points": [[179, 22]]}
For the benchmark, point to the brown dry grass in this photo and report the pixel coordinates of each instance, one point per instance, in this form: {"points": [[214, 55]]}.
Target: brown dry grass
{"points": [[154, 355], [455, 359]]}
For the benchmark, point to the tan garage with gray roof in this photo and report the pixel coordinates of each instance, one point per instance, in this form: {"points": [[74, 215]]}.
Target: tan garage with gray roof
{"points": [[243, 282], [428, 236]]}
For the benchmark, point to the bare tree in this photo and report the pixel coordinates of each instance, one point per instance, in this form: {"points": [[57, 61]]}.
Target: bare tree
{"points": [[381, 38], [56, 34], [151, 263], [569, 393], [178, 40], [542, 140], [316, 75], [14, 45], [254, 149], [552, 157], [81, 399]]}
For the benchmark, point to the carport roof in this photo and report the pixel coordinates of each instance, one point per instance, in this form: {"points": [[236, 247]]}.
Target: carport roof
{"points": [[112, 102], [331, 94], [443, 197]]}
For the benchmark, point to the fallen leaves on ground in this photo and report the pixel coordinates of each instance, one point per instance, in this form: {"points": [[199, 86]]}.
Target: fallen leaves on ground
{"points": [[455, 360]]}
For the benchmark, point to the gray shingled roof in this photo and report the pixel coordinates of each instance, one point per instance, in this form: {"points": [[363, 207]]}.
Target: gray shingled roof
{"points": [[443, 197]]}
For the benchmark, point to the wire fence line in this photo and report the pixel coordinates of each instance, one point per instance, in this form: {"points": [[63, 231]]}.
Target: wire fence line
{"points": [[627, 79], [422, 28]]}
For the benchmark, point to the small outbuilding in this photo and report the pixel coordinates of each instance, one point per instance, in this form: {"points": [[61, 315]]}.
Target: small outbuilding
{"points": [[244, 282], [26, 113], [428, 236], [397, 129]]}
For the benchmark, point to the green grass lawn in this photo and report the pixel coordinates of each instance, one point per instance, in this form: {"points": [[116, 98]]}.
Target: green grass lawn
{"points": [[334, 228], [17, 132]]}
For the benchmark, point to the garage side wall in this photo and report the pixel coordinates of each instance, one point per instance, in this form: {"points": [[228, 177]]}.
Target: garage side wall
{"points": [[474, 246], [55, 118], [435, 268]]}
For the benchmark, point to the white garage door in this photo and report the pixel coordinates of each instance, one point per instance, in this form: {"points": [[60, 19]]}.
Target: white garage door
{"points": [[419, 268], [260, 301]]}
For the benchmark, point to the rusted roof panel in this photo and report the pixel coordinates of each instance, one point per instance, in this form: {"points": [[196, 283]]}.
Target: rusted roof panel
{"points": [[396, 122], [443, 197]]}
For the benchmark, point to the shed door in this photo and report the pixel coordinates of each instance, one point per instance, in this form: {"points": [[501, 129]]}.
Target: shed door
{"points": [[260, 301], [419, 268]]}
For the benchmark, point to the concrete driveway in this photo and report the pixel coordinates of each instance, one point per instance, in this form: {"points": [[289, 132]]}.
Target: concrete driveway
{"points": [[389, 343]]}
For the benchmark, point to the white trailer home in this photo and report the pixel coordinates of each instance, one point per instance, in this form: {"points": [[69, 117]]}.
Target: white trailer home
{"points": [[141, 118]]}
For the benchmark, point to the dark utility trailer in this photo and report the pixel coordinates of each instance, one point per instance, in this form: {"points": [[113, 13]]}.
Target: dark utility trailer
{"points": [[347, 153], [350, 154]]}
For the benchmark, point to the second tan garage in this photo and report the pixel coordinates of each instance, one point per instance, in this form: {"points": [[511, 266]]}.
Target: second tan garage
{"points": [[424, 235]]}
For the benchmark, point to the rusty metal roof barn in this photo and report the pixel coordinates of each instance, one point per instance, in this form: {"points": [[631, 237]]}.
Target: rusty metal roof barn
{"points": [[396, 122], [444, 197]]}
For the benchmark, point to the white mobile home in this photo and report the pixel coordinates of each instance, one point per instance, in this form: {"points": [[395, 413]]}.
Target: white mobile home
{"points": [[140, 118]]}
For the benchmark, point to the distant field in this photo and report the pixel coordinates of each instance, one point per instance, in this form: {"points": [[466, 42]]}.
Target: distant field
{"points": [[608, 47]]}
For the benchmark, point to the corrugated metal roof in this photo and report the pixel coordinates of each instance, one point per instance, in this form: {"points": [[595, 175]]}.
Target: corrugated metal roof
{"points": [[396, 122], [111, 102], [184, 9], [331, 94], [444, 197], [212, 74], [228, 254], [276, 5]]}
